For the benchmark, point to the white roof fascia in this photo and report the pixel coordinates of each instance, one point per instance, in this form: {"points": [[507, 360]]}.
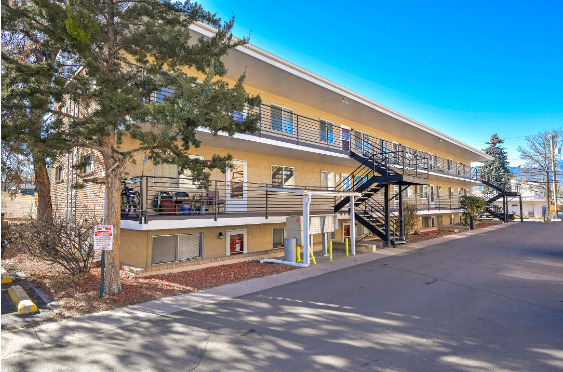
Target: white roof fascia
{"points": [[292, 68]]}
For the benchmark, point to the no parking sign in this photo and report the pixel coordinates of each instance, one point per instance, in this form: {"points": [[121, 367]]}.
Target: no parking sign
{"points": [[103, 238]]}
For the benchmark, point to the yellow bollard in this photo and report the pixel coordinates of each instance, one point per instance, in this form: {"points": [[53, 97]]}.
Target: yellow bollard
{"points": [[330, 250], [347, 254], [297, 253], [312, 256]]}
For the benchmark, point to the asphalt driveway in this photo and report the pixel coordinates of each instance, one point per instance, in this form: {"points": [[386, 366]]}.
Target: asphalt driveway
{"points": [[492, 301]]}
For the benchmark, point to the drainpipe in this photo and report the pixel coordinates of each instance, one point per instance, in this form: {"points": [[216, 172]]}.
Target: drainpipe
{"points": [[285, 262]]}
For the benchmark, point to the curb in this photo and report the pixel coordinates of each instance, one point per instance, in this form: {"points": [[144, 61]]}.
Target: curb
{"points": [[6, 278], [21, 300], [22, 341]]}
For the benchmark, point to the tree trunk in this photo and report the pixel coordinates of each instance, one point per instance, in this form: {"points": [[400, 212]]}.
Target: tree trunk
{"points": [[43, 188], [113, 217]]}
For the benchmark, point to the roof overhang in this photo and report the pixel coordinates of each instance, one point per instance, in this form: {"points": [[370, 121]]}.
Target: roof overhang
{"points": [[270, 73]]}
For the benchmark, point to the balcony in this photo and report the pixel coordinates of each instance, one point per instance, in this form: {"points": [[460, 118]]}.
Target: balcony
{"points": [[282, 124], [148, 198]]}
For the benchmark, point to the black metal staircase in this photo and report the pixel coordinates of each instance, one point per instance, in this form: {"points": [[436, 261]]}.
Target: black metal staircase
{"points": [[498, 188], [380, 168]]}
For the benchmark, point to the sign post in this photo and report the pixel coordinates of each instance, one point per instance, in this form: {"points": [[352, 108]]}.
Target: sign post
{"points": [[103, 241]]}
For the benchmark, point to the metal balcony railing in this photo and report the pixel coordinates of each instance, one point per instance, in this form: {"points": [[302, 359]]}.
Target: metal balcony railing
{"points": [[147, 197], [284, 125]]}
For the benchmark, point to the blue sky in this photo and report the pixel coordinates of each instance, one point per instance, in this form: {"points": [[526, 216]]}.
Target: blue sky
{"points": [[468, 69]]}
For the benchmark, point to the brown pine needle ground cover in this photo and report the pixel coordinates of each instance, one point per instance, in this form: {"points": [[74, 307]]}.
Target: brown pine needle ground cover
{"points": [[80, 295]]}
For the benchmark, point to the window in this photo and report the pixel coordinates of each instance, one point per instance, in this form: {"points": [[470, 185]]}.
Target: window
{"points": [[452, 219], [439, 220], [424, 191], [170, 248], [240, 116], [283, 176], [451, 192], [327, 131], [331, 235], [60, 173], [439, 191], [185, 180], [345, 181], [327, 180], [425, 222], [358, 140], [282, 119], [162, 94], [278, 233], [409, 192], [168, 175], [88, 161]]}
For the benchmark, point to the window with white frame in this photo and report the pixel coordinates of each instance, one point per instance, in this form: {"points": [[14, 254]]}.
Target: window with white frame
{"points": [[327, 131], [168, 175], [185, 179], [281, 119], [451, 192], [424, 193], [88, 161], [439, 191], [60, 173], [283, 176], [409, 191], [327, 180]]}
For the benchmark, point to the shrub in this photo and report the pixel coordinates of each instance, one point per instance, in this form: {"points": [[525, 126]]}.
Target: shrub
{"points": [[409, 217], [60, 242], [472, 206]]}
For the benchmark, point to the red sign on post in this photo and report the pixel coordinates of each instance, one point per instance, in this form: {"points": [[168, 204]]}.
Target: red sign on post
{"points": [[103, 238]]}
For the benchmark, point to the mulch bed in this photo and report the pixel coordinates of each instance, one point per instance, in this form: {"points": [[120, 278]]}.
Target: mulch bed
{"points": [[80, 295]]}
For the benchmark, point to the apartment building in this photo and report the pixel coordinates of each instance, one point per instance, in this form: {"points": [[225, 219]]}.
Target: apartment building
{"points": [[313, 135]]}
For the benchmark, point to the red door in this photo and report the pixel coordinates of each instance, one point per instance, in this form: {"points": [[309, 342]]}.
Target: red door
{"points": [[237, 243]]}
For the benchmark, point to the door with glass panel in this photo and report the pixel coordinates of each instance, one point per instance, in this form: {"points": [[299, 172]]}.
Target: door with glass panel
{"points": [[236, 192], [345, 138]]}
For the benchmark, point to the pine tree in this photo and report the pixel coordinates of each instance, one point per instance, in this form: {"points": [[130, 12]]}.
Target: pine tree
{"points": [[128, 51], [496, 170], [34, 71]]}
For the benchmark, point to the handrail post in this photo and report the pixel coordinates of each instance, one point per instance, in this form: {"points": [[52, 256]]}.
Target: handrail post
{"points": [[266, 201], [147, 198], [296, 126], [260, 112], [215, 200], [141, 206]]}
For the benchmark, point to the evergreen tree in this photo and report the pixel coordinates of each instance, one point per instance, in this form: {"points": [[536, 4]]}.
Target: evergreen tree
{"points": [[128, 51], [34, 71], [496, 171]]}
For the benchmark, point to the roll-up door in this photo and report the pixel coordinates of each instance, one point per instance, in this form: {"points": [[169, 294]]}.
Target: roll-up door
{"points": [[189, 246]]}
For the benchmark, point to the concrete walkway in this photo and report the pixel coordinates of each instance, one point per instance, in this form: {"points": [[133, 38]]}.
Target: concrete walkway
{"points": [[18, 342]]}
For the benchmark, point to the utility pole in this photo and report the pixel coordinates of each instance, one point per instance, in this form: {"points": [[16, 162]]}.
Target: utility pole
{"points": [[553, 171]]}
